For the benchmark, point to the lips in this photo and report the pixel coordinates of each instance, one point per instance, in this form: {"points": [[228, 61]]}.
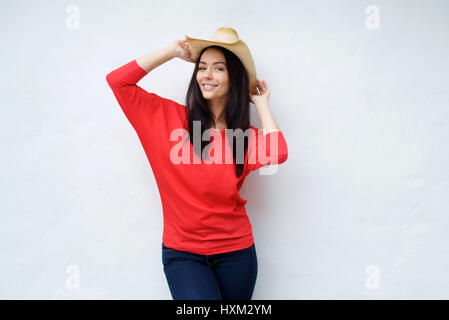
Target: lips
{"points": [[209, 86]]}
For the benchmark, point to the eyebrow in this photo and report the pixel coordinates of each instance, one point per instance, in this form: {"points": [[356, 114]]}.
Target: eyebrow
{"points": [[214, 62]]}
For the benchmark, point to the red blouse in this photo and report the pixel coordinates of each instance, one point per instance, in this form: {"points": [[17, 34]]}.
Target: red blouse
{"points": [[203, 212]]}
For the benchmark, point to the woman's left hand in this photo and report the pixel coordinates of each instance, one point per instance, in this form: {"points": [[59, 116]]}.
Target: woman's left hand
{"points": [[264, 93]]}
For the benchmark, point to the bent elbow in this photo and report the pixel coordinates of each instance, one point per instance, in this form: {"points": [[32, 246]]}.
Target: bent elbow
{"points": [[110, 79], [282, 158]]}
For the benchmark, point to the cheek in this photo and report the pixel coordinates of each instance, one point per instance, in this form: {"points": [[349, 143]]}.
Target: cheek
{"points": [[224, 80]]}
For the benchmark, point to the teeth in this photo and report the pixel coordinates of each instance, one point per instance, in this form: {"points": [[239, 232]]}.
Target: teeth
{"points": [[208, 86]]}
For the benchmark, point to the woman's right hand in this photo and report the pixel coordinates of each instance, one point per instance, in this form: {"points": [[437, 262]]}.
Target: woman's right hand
{"points": [[182, 50]]}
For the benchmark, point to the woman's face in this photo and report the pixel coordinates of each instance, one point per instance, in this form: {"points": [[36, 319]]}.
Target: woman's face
{"points": [[212, 69]]}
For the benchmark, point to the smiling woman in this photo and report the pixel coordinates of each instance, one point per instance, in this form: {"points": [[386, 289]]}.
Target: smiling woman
{"points": [[213, 79], [208, 249], [226, 104]]}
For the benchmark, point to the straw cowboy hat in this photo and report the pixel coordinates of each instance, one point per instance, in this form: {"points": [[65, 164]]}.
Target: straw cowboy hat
{"points": [[229, 39]]}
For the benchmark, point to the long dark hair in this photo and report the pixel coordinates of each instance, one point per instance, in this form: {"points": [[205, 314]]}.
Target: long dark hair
{"points": [[237, 107]]}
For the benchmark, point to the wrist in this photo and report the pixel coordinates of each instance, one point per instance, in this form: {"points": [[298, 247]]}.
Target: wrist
{"points": [[262, 105], [170, 51]]}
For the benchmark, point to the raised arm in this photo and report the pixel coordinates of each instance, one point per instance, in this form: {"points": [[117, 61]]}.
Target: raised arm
{"points": [[267, 147], [123, 80], [136, 102], [176, 49], [155, 59]]}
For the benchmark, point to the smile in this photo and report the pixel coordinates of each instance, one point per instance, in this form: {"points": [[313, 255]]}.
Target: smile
{"points": [[209, 87]]}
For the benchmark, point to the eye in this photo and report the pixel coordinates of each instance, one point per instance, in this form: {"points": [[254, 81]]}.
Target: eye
{"points": [[220, 68]]}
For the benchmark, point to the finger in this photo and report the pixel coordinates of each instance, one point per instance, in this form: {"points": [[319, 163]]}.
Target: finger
{"points": [[262, 87]]}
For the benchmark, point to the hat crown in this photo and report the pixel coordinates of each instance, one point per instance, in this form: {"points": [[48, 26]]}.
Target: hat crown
{"points": [[226, 35]]}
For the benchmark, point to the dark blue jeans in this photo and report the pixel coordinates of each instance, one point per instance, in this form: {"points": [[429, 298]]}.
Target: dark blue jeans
{"points": [[223, 276]]}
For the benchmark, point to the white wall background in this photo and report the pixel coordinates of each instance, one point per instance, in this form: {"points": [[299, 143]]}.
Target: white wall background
{"points": [[359, 210]]}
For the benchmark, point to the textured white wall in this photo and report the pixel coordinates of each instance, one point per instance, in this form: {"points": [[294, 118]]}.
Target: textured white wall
{"points": [[359, 210]]}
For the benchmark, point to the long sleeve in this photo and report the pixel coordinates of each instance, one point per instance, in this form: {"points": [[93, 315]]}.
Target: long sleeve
{"points": [[266, 149], [136, 103], [199, 216]]}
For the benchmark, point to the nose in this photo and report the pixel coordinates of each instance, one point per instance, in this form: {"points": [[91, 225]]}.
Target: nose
{"points": [[209, 74]]}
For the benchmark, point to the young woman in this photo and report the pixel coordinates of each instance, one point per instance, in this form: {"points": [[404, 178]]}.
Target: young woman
{"points": [[208, 249]]}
